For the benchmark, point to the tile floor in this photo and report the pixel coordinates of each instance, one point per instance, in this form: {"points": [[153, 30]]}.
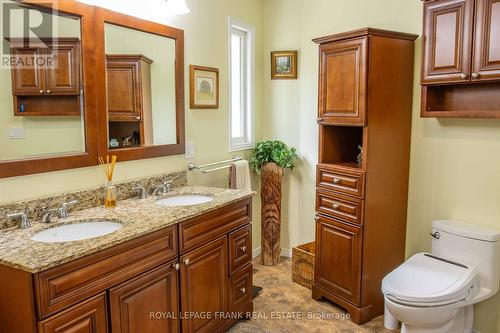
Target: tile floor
{"points": [[283, 298]]}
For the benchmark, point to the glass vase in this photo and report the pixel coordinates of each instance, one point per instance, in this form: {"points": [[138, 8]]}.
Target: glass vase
{"points": [[110, 195]]}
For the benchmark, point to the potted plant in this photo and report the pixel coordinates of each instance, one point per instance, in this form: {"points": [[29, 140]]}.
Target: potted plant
{"points": [[270, 159]]}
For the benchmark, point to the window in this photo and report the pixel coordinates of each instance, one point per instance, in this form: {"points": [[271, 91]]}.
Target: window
{"points": [[241, 86]]}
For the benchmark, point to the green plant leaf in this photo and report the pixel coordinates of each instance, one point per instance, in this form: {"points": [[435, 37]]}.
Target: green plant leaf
{"points": [[273, 151]]}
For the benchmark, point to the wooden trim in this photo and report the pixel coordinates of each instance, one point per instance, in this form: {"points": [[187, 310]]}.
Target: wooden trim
{"points": [[192, 104], [103, 16], [365, 32], [89, 157], [292, 76]]}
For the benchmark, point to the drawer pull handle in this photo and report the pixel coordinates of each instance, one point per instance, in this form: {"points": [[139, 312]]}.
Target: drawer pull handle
{"points": [[335, 205], [48, 91], [464, 76], [319, 120], [243, 249], [41, 91], [475, 76], [176, 266], [243, 290], [186, 261], [336, 180]]}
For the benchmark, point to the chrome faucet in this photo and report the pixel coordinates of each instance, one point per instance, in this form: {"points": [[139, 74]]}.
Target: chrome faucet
{"points": [[25, 221], [49, 213], [63, 211], [143, 194], [163, 189]]}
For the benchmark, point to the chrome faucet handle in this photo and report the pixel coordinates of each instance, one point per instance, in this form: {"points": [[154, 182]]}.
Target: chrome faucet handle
{"points": [[25, 221], [168, 185], [48, 214], [143, 194], [63, 211]]}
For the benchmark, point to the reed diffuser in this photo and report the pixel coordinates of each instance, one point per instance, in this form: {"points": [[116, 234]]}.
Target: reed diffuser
{"points": [[110, 192]]}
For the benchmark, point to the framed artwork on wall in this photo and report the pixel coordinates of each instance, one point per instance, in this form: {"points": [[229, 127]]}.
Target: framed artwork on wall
{"points": [[284, 65], [204, 87]]}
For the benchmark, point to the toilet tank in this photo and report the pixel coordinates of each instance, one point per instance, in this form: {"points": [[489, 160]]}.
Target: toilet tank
{"points": [[472, 245]]}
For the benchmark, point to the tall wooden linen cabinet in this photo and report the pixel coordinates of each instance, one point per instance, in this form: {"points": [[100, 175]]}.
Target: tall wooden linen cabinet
{"points": [[365, 101]]}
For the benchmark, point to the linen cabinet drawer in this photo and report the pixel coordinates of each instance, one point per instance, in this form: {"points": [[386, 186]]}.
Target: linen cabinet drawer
{"points": [[240, 248], [348, 182], [240, 292], [70, 283], [339, 206]]}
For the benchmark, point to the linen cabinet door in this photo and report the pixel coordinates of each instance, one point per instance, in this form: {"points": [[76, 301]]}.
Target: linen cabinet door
{"points": [[148, 303], [486, 63], [86, 317], [342, 82], [338, 258], [204, 287], [447, 41]]}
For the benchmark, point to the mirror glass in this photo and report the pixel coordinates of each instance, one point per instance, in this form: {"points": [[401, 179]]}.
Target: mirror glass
{"points": [[141, 96], [41, 91]]}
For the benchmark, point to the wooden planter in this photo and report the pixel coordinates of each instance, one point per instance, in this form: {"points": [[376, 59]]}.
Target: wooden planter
{"points": [[271, 213], [303, 264]]}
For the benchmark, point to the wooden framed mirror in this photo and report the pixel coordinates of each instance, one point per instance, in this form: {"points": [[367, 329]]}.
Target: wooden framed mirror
{"points": [[140, 87], [48, 114]]}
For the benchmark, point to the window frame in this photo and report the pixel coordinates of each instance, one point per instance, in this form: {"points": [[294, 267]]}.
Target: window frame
{"points": [[247, 141]]}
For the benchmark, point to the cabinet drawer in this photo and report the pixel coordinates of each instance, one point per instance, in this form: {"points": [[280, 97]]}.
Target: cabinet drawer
{"points": [[85, 317], [240, 248], [205, 228], [240, 292], [340, 206], [70, 283], [348, 182]]}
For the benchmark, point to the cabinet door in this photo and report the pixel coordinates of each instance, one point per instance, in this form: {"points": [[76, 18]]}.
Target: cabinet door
{"points": [[28, 76], [63, 69], [148, 303], [204, 286], [486, 64], [338, 259], [447, 46], [342, 82], [86, 317], [123, 90]]}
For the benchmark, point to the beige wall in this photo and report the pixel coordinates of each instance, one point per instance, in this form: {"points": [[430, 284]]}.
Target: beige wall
{"points": [[454, 163]]}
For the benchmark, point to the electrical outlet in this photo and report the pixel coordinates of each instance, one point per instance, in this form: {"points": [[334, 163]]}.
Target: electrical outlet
{"points": [[16, 133], [190, 149]]}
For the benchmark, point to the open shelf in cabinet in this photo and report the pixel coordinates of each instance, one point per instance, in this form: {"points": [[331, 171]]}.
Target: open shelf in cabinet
{"points": [[479, 100], [339, 145]]}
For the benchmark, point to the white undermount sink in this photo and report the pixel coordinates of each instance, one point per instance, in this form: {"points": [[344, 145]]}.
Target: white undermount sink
{"points": [[76, 232], [184, 200]]}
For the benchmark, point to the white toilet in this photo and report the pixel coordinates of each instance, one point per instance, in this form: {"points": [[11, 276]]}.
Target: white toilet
{"points": [[435, 292]]}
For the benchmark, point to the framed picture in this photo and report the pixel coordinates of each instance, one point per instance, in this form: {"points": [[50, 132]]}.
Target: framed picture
{"points": [[204, 87], [284, 65]]}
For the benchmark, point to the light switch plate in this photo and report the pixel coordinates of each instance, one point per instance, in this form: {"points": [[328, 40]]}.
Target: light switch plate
{"points": [[16, 133], [190, 149]]}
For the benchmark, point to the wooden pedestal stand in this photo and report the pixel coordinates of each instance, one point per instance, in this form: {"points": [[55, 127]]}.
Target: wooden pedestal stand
{"points": [[271, 213]]}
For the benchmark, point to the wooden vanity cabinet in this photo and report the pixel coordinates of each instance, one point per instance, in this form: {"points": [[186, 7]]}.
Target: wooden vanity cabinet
{"points": [[461, 59], [361, 206], [157, 283]]}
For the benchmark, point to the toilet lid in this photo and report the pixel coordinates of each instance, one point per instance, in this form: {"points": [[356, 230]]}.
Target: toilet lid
{"points": [[428, 280]]}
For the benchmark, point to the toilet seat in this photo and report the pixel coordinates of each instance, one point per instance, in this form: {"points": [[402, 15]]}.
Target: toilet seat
{"points": [[426, 281]]}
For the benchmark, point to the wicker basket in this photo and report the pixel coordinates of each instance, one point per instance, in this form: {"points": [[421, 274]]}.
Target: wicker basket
{"points": [[303, 264]]}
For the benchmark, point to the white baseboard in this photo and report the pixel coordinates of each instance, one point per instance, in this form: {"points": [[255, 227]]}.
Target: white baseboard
{"points": [[256, 253], [284, 253], [475, 331]]}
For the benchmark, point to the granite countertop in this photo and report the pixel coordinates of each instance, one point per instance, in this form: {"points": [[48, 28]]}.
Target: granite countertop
{"points": [[138, 217]]}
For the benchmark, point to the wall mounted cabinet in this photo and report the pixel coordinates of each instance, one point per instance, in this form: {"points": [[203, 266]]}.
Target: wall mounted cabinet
{"points": [[461, 59], [50, 87], [365, 99]]}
